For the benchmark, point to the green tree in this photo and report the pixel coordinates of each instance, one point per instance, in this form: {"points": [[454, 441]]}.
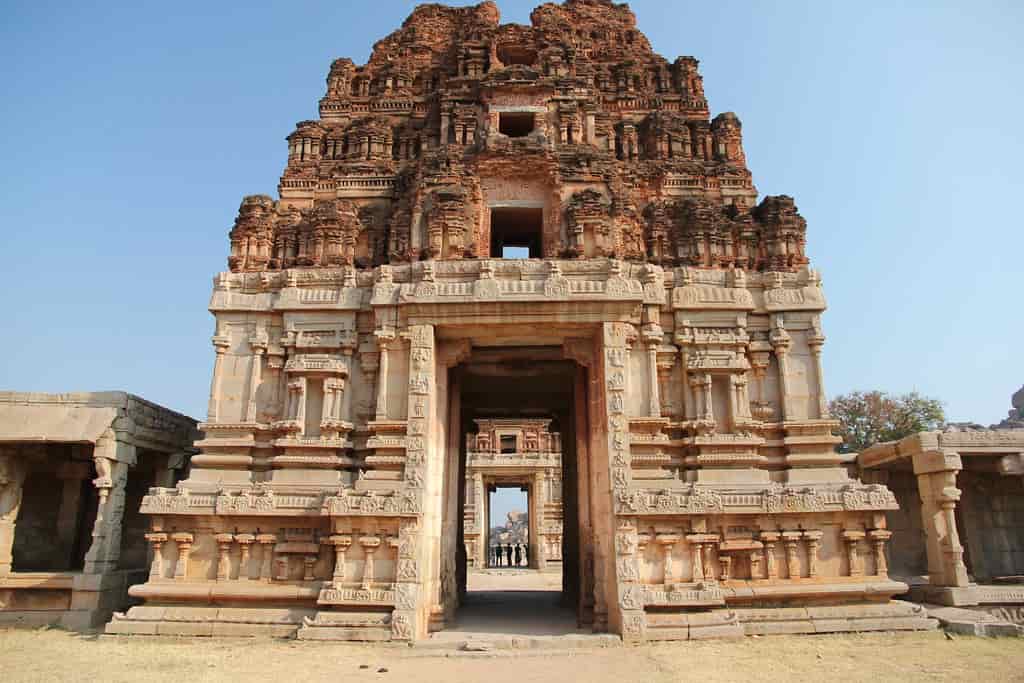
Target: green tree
{"points": [[867, 417]]}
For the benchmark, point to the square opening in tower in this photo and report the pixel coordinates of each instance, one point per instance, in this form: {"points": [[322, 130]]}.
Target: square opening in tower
{"points": [[515, 124], [516, 230]]}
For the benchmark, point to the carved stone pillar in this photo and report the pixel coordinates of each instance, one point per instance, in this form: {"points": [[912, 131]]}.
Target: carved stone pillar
{"points": [[370, 545], [184, 542], [245, 542], [704, 409], [266, 542], [667, 542], [221, 343], [12, 477], [770, 538], [224, 542], [538, 506], [813, 541], [755, 563], [308, 565], [815, 340], [936, 472], [652, 337], [878, 539], [852, 538], [479, 520], [341, 543], [689, 410], [111, 458], [780, 345], [790, 540], [156, 567], [696, 559], [258, 343], [384, 338]]}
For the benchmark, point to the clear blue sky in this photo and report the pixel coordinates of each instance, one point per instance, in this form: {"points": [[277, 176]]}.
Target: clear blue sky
{"points": [[130, 131]]}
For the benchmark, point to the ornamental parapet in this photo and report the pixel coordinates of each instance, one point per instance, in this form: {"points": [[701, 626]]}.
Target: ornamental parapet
{"points": [[264, 501], [694, 500]]}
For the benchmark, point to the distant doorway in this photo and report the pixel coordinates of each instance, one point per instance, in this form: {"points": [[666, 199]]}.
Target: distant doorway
{"points": [[508, 539]]}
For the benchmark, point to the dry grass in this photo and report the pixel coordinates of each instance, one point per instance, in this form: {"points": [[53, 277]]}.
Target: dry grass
{"points": [[46, 655]]}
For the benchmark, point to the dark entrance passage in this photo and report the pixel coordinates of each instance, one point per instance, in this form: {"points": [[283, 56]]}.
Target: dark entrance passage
{"points": [[541, 594]]}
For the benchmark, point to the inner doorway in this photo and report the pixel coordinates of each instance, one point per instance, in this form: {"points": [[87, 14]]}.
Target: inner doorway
{"points": [[508, 532], [517, 418]]}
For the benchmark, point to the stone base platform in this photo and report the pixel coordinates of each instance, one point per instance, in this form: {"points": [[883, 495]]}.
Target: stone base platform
{"points": [[973, 622], [734, 623], [147, 620], [71, 600]]}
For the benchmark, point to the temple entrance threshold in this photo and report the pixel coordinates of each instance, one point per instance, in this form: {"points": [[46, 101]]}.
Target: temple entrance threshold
{"points": [[517, 418]]}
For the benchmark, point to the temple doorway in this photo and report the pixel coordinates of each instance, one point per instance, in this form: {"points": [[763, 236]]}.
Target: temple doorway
{"points": [[518, 559], [508, 537]]}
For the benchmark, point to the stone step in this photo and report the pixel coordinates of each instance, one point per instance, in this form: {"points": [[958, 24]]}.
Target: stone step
{"points": [[973, 622], [489, 643]]}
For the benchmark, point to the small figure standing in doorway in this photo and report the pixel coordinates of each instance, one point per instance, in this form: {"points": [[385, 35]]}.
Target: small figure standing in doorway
{"points": [[519, 555]]}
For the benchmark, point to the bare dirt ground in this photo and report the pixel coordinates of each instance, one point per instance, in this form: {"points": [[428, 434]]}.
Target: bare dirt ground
{"points": [[48, 655], [500, 604]]}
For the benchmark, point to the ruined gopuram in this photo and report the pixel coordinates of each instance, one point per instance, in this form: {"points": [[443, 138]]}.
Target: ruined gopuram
{"points": [[664, 317], [522, 453]]}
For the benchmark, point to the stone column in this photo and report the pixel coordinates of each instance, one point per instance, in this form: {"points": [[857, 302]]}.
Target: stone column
{"points": [[341, 543], [852, 538], [184, 542], [258, 344], [12, 477], [878, 539], [245, 542], [541, 551], [789, 540], [667, 542], [224, 542], [111, 458], [627, 617], [384, 337], [652, 337], [936, 472], [370, 545], [696, 559], [780, 345], [770, 538], [221, 342], [689, 411], [156, 567], [479, 519], [815, 340], [266, 542], [813, 541]]}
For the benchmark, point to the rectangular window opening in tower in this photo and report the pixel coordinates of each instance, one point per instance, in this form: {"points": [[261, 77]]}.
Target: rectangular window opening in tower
{"points": [[516, 232], [515, 124]]}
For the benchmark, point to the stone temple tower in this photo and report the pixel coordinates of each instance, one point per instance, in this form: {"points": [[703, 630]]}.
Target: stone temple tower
{"points": [[500, 221]]}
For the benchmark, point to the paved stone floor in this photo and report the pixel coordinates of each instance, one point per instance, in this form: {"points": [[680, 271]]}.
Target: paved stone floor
{"points": [[511, 603]]}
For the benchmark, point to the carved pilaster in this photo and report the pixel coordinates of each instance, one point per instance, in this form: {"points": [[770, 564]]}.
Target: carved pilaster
{"points": [[184, 542], [224, 542], [156, 567], [245, 542]]}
